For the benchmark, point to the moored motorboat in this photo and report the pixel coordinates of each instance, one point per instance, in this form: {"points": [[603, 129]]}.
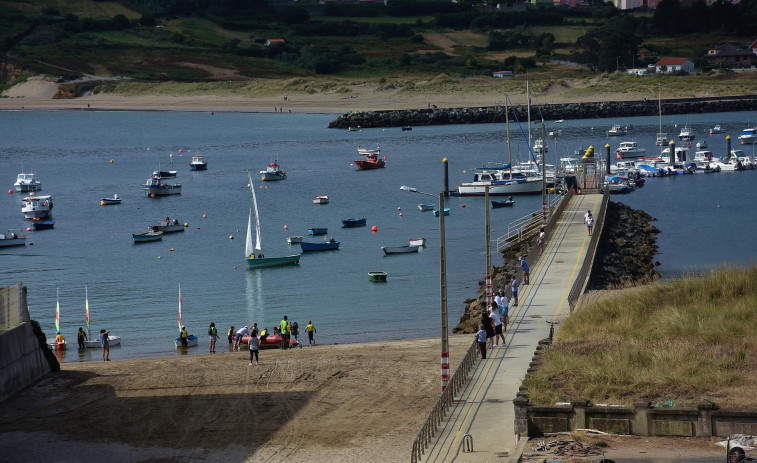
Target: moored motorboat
{"points": [[147, 236], [446, 212], [499, 204], [426, 207], [156, 187], [12, 237], [687, 134], [27, 182], [295, 239], [351, 223], [748, 136], [315, 231], [715, 130], [399, 249], [110, 201], [321, 199], [616, 131], [169, 225], [377, 277], [164, 173], [701, 144], [37, 207], [630, 149], [273, 172], [198, 163], [330, 245], [46, 225], [417, 241], [407, 128], [373, 159]]}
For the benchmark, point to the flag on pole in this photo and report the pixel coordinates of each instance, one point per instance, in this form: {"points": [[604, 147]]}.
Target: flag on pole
{"points": [[57, 309], [180, 307], [86, 308]]}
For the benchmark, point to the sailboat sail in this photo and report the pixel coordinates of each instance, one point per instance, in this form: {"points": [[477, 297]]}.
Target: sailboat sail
{"points": [[57, 309], [180, 325], [258, 247], [86, 308], [248, 249]]}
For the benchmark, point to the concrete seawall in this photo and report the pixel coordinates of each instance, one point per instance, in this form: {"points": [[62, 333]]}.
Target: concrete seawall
{"points": [[550, 112], [24, 358]]}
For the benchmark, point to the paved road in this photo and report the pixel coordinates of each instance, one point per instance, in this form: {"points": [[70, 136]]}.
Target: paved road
{"points": [[484, 408]]}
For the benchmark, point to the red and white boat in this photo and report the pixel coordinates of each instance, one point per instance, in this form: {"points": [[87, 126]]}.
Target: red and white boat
{"points": [[373, 159], [321, 199], [272, 341]]}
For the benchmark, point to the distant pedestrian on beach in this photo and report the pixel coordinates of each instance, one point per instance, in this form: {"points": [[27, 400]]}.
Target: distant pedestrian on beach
{"points": [[486, 320], [481, 339], [231, 334], [526, 269], [311, 332], [284, 327], [590, 225], [81, 336], [183, 336], [254, 348], [295, 331], [106, 344], [541, 241], [514, 287], [213, 334], [242, 332], [497, 321]]}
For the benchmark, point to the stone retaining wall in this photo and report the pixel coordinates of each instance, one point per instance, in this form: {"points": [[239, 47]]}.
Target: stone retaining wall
{"points": [[550, 112]]}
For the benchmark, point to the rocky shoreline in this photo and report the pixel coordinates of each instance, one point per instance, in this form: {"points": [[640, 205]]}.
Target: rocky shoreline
{"points": [[550, 112], [624, 258]]}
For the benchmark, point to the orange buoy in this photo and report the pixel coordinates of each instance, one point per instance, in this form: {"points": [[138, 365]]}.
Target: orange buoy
{"points": [[286, 227], [152, 195], [400, 214], [10, 192], [204, 216], [374, 228], [463, 205], [111, 161]]}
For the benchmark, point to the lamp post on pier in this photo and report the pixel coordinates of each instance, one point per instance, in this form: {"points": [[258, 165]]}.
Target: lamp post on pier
{"points": [[442, 284]]}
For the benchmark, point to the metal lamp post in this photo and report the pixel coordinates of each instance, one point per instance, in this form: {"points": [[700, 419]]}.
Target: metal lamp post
{"points": [[442, 284]]}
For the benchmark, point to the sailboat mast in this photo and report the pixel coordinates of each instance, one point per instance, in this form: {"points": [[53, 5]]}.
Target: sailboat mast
{"points": [[528, 95], [86, 307], [57, 309], [180, 325], [257, 220], [507, 125]]}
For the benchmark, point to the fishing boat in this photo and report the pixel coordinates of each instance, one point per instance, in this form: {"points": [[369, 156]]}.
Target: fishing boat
{"points": [[687, 134], [500, 204], [260, 261], [377, 277], [198, 163], [540, 147], [295, 239], [321, 199], [147, 236], [399, 249], [616, 131], [351, 223], [417, 241], [47, 225], [436, 212], [169, 225], [26, 182], [156, 187], [426, 207], [662, 137], [110, 201], [92, 342], [53, 342], [273, 172], [37, 207], [330, 245], [315, 231], [716, 130], [12, 237], [372, 159], [629, 149], [191, 338], [748, 135]]}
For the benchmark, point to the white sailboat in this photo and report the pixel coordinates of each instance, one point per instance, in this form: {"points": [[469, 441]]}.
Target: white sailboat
{"points": [[253, 255], [662, 138], [95, 342], [53, 342], [191, 339]]}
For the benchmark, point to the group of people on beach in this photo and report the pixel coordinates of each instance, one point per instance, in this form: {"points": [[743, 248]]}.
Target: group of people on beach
{"points": [[81, 338], [255, 338]]}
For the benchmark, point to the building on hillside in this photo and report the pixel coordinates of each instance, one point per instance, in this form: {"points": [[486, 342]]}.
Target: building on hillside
{"points": [[730, 54], [670, 65], [502, 74], [628, 4], [753, 47]]}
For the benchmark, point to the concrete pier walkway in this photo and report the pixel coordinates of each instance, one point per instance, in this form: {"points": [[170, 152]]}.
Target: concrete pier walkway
{"points": [[484, 409]]}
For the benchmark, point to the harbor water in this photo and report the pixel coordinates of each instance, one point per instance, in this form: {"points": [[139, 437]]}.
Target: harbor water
{"points": [[83, 156]]}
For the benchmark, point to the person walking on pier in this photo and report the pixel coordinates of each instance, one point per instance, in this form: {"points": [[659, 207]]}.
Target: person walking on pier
{"points": [[514, 286], [481, 339], [541, 241], [590, 225]]}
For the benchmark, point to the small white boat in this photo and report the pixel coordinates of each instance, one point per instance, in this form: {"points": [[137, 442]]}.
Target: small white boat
{"points": [[27, 182], [169, 225], [295, 239], [616, 131], [147, 236], [630, 149], [37, 207], [446, 212], [399, 249], [273, 172], [110, 201], [748, 136], [417, 241], [13, 237], [426, 207], [198, 163], [540, 147], [716, 130], [155, 187], [686, 133], [321, 199]]}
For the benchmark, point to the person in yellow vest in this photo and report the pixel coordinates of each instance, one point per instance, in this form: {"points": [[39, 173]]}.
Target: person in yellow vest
{"points": [[263, 336], [59, 338], [213, 335], [284, 333], [231, 334], [184, 336], [311, 332]]}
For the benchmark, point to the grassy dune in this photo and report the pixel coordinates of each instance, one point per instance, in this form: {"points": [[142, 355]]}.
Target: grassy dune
{"points": [[682, 341]]}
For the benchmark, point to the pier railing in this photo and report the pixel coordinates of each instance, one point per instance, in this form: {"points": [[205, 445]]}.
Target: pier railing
{"points": [[583, 275], [439, 411], [529, 225]]}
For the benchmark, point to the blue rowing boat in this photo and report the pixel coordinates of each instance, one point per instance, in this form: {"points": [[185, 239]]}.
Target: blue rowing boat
{"points": [[350, 223]]}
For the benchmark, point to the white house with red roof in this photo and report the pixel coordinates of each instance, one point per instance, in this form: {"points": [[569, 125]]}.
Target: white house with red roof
{"points": [[670, 65]]}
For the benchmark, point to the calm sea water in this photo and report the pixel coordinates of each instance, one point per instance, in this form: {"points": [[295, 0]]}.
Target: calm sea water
{"points": [[133, 289]]}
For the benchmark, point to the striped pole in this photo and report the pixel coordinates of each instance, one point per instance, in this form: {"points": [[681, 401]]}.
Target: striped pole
{"points": [[445, 370]]}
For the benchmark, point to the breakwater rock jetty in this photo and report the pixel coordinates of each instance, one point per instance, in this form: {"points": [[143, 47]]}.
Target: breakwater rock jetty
{"points": [[550, 112]]}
